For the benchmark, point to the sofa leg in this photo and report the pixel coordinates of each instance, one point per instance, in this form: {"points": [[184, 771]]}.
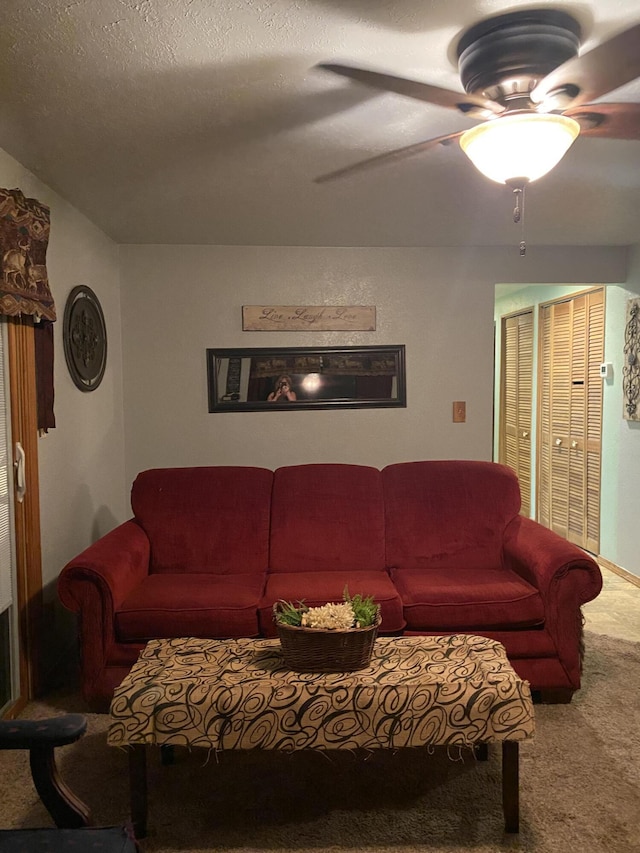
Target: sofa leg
{"points": [[553, 696]]}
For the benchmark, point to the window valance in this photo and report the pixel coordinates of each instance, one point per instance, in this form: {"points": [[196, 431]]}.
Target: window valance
{"points": [[24, 236]]}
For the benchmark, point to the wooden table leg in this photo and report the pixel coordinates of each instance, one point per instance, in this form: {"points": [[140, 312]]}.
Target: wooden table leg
{"points": [[138, 788], [511, 785], [167, 754]]}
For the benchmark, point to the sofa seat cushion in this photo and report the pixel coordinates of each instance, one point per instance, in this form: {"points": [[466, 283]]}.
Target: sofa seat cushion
{"points": [[191, 605], [317, 588], [467, 600], [534, 642]]}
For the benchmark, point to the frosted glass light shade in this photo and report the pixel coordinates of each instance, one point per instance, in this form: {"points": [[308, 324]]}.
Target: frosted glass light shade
{"points": [[522, 146]]}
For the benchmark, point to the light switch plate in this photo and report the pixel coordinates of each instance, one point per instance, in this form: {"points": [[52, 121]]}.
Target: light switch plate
{"points": [[459, 412]]}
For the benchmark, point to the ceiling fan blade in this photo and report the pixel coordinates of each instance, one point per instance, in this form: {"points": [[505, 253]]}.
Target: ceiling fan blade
{"points": [[421, 91], [389, 157], [597, 72], [609, 121]]}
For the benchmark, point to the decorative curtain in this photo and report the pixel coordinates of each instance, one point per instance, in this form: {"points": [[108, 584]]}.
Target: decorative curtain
{"points": [[24, 285], [24, 235], [43, 338]]}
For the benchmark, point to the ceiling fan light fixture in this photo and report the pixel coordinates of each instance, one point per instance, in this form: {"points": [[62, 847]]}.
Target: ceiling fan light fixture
{"points": [[522, 146]]}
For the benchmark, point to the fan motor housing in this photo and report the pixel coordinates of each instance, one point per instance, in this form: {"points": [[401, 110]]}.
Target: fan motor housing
{"points": [[509, 54]]}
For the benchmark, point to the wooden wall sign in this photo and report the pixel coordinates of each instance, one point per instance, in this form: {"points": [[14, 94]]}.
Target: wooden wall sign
{"points": [[302, 318]]}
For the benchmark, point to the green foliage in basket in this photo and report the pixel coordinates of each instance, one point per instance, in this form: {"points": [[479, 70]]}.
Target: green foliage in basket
{"points": [[364, 609], [289, 613]]}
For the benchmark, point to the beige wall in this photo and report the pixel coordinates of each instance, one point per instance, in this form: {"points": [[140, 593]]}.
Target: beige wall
{"points": [[81, 462], [179, 300]]}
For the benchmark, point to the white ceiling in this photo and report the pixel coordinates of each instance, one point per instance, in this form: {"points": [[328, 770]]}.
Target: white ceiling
{"points": [[204, 121]]}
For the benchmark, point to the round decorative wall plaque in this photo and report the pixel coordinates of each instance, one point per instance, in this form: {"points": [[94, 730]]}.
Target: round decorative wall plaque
{"points": [[85, 338]]}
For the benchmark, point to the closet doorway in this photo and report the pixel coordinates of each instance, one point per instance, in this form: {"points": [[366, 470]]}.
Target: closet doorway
{"points": [[570, 351], [516, 411]]}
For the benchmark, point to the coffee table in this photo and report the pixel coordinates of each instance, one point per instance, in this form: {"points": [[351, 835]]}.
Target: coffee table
{"points": [[454, 691]]}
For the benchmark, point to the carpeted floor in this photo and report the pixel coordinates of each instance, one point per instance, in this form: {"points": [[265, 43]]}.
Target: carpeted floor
{"points": [[579, 786]]}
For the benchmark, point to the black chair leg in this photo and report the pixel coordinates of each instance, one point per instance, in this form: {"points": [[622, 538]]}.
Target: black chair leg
{"points": [[62, 804], [70, 815]]}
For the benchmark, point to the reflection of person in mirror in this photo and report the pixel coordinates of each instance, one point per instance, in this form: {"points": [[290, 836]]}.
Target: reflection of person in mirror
{"points": [[283, 391]]}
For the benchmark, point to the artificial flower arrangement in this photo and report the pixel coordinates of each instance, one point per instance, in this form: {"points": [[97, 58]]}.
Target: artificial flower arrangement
{"points": [[352, 612]]}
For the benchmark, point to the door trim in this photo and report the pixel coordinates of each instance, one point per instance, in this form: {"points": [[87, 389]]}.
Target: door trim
{"points": [[24, 428]]}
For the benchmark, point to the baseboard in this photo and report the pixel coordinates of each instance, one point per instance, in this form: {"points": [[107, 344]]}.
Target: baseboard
{"points": [[622, 573]]}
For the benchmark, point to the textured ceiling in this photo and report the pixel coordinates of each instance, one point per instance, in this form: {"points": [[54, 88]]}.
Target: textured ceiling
{"points": [[204, 121]]}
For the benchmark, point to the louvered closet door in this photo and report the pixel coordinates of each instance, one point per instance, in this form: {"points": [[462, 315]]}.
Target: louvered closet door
{"points": [[560, 404], [576, 504], [543, 491], [517, 390], [570, 417], [593, 425]]}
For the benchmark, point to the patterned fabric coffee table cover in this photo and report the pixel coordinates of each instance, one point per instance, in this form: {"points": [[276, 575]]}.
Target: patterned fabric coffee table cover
{"points": [[238, 694]]}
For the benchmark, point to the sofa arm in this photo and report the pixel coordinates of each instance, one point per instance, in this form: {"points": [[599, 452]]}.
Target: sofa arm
{"points": [[94, 584], [542, 557], [566, 576], [116, 564]]}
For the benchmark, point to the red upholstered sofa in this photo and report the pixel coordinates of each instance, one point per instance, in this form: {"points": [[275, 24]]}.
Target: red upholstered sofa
{"points": [[439, 544]]}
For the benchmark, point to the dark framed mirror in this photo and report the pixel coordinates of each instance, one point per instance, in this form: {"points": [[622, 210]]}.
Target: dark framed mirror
{"points": [[277, 378]]}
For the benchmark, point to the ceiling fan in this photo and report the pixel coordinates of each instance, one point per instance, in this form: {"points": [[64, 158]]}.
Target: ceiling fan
{"points": [[525, 81]]}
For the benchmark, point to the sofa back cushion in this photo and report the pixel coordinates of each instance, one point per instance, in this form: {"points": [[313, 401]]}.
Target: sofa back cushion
{"points": [[208, 519], [448, 514], [327, 517]]}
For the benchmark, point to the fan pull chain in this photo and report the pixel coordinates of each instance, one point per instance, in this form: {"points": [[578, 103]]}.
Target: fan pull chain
{"points": [[518, 216]]}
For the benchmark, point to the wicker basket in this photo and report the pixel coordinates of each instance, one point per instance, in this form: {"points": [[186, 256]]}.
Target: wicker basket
{"points": [[317, 650]]}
